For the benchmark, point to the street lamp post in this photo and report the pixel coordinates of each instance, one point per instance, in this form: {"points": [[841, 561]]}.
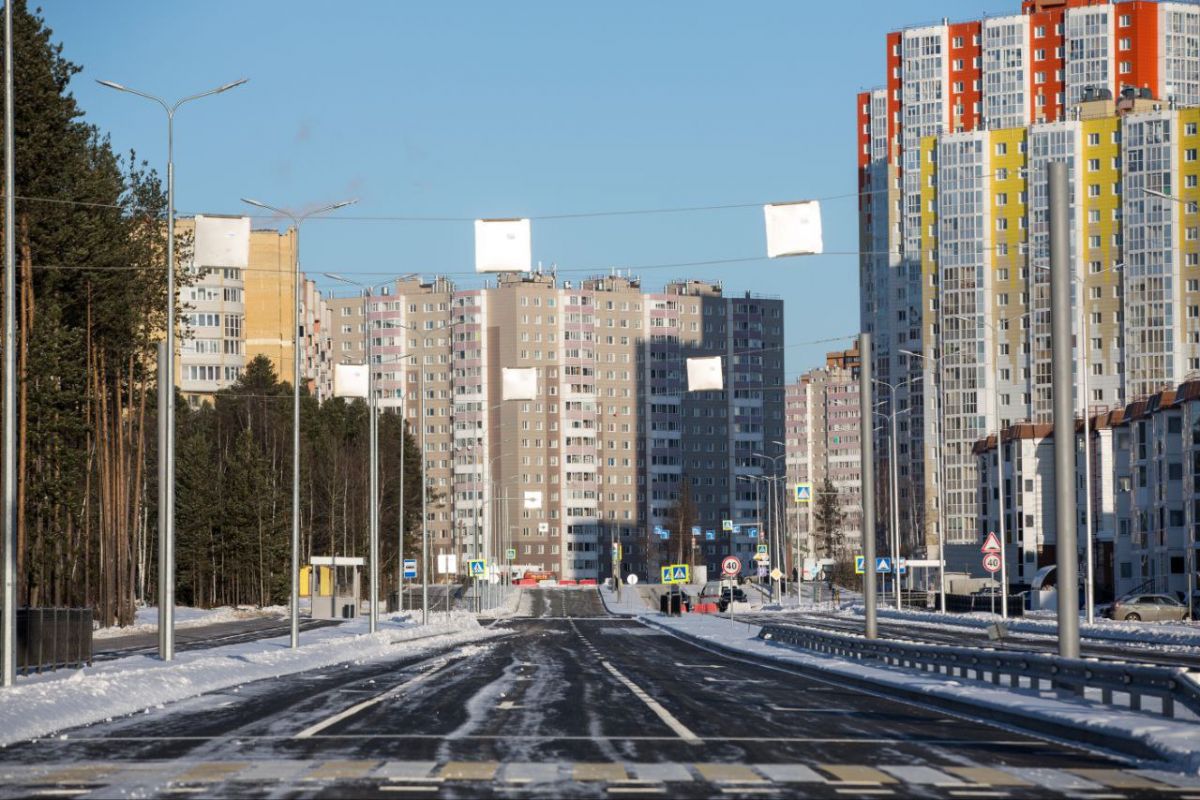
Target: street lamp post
{"points": [[895, 480], [299, 322], [1002, 504], [941, 466], [773, 515], [166, 382]]}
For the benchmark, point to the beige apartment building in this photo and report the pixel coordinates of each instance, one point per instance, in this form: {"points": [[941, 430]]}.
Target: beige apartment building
{"points": [[239, 306], [600, 455]]}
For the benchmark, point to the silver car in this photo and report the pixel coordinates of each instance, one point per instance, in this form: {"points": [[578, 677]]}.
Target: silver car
{"points": [[1149, 607]]}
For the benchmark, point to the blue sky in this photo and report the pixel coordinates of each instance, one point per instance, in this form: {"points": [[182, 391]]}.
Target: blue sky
{"points": [[453, 109]]}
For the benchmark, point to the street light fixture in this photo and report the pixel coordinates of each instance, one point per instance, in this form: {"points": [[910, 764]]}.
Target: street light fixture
{"points": [[297, 220], [166, 381], [895, 470]]}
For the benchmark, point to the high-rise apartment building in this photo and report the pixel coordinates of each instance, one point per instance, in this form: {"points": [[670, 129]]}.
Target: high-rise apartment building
{"points": [[603, 451], [953, 208], [824, 441], [239, 306]]}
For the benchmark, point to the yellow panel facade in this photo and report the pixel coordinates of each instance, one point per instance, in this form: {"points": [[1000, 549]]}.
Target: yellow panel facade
{"points": [[1188, 191], [270, 299], [1008, 205]]}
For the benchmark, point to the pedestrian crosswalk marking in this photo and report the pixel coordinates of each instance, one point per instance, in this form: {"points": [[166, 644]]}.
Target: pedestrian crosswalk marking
{"points": [[185, 777]]}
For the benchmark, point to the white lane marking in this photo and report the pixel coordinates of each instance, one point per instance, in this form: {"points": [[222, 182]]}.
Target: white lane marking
{"points": [[666, 716], [365, 704]]}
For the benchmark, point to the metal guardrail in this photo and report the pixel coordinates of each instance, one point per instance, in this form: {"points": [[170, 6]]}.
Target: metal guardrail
{"points": [[1119, 684], [49, 638]]}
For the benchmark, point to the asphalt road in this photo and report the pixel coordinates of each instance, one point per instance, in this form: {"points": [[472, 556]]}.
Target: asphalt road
{"points": [[203, 636], [572, 703]]}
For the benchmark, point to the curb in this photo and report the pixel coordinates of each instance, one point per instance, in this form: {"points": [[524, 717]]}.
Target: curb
{"points": [[1107, 740]]}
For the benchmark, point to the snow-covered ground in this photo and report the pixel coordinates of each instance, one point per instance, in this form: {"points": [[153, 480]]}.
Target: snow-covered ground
{"points": [[1177, 741], [40, 705], [146, 618]]}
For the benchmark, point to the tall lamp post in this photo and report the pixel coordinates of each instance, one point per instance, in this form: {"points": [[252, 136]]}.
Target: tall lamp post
{"points": [[773, 515], [166, 378], [297, 220], [941, 451], [1002, 504], [895, 470]]}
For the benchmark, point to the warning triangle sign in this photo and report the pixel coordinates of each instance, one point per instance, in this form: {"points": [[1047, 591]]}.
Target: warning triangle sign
{"points": [[991, 544]]}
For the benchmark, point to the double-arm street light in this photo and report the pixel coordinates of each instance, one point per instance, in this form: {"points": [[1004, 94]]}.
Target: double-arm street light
{"points": [[297, 302], [895, 472], [773, 517], [166, 379]]}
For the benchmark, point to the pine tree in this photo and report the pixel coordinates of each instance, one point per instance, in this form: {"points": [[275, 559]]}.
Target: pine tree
{"points": [[829, 520]]}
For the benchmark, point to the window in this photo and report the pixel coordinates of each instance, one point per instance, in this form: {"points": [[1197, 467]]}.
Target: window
{"points": [[1124, 43], [1126, 68], [1093, 139], [1189, 154], [1189, 129], [1093, 165], [1001, 148]]}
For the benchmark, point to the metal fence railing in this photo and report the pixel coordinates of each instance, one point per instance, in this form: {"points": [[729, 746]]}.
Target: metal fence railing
{"points": [[49, 638], [1111, 682]]}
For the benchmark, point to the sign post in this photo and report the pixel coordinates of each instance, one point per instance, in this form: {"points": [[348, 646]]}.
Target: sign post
{"points": [[730, 567], [993, 562]]}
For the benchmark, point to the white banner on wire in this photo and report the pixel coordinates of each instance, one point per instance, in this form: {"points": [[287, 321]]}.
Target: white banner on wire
{"points": [[503, 245], [221, 242], [350, 380], [793, 229], [704, 374], [518, 383]]}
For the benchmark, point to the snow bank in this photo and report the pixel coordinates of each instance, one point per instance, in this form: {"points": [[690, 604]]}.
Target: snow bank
{"points": [[1176, 742], [40, 705], [146, 618]]}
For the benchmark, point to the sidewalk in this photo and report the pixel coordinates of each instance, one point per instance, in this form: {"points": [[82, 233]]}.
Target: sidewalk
{"points": [[39, 705]]}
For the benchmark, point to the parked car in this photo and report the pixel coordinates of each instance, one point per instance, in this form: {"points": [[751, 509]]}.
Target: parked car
{"points": [[1149, 607], [711, 593]]}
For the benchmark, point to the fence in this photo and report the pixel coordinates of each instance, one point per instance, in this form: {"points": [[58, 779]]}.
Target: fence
{"points": [[49, 638], [1111, 682]]}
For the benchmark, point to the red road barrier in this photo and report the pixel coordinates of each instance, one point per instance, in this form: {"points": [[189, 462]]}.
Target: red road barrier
{"points": [[567, 582], [587, 582]]}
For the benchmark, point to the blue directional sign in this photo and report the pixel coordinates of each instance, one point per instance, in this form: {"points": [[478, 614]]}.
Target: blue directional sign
{"points": [[883, 565], [710, 535], [476, 567], [752, 532], [695, 530], [737, 530], [410, 568]]}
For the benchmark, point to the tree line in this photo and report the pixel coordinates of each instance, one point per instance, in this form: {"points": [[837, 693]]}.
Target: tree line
{"points": [[91, 305]]}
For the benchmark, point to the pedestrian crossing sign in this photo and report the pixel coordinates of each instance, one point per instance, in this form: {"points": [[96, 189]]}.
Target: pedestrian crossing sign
{"points": [[476, 567], [860, 565], [762, 548], [676, 573], [510, 553], [726, 524], [803, 492]]}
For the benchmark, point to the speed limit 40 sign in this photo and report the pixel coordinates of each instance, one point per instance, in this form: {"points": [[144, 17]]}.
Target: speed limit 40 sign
{"points": [[731, 565], [991, 562]]}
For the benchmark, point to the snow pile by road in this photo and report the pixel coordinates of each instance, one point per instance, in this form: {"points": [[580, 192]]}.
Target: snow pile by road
{"points": [[1142, 633], [40, 705], [146, 618], [1175, 741]]}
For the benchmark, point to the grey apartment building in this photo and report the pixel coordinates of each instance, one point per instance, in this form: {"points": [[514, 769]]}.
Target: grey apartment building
{"points": [[601, 454]]}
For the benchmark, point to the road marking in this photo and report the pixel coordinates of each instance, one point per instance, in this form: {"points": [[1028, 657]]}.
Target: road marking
{"points": [[854, 773], [789, 773], [469, 770], [698, 666], [507, 705], [1116, 779], [662, 772], [923, 775], [986, 776], [977, 793], [340, 770], [813, 709], [61, 792], [666, 716], [599, 772], [636, 790], [210, 772], [728, 773], [365, 704]]}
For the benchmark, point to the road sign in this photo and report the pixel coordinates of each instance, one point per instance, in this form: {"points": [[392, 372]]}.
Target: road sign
{"points": [[776, 574], [803, 492], [860, 566], [761, 548], [752, 532], [510, 553], [737, 530], [991, 544], [631, 579], [476, 567], [883, 565], [726, 524], [543, 527], [991, 562], [731, 565], [675, 573], [410, 568], [532, 500], [762, 557], [695, 530], [762, 570], [710, 535], [616, 552]]}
